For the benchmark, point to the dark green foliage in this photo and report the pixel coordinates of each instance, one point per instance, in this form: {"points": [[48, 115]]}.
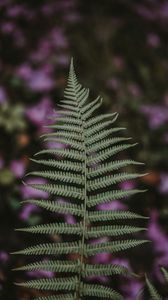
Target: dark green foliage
{"points": [[84, 174]]}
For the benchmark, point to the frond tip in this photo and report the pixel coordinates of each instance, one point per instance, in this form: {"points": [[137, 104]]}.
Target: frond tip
{"points": [[79, 177]]}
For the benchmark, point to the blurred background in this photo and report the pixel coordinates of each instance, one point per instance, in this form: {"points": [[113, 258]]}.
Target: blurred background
{"points": [[120, 50]]}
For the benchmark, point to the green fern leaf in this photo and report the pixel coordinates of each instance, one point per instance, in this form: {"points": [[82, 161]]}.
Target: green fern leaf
{"points": [[80, 173], [109, 196], [100, 291], [103, 270], [165, 273], [112, 247], [64, 208], [108, 230], [66, 177], [52, 249], [60, 297], [109, 167], [54, 228], [53, 284], [152, 290], [100, 216], [52, 265]]}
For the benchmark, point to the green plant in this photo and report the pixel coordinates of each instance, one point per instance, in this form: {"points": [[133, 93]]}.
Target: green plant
{"points": [[84, 173], [154, 294]]}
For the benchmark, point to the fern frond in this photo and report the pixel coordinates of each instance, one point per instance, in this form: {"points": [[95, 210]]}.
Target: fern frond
{"points": [[53, 284], [98, 119], [52, 265], [111, 195], [165, 273], [60, 190], [108, 230], [100, 291], [109, 167], [113, 247], [102, 135], [63, 165], [69, 107], [71, 154], [66, 113], [152, 290], [105, 154], [154, 294], [110, 215], [98, 127], [79, 172], [64, 208], [105, 270], [59, 297], [106, 181], [66, 137], [67, 120], [66, 177], [86, 109], [67, 128], [95, 105], [51, 249], [54, 228], [106, 143]]}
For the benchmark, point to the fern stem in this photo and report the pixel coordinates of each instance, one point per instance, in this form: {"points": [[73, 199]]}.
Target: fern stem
{"points": [[82, 254], [84, 217]]}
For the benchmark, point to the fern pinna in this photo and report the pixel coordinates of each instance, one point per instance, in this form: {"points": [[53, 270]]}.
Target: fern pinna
{"points": [[85, 174], [154, 294]]}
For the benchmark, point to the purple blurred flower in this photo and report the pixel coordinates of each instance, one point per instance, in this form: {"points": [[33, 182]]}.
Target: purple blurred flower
{"points": [[15, 11], [52, 144], [163, 186], [7, 27], [61, 7], [41, 273], [134, 89], [118, 62], [63, 59], [29, 192], [127, 185], [145, 12], [156, 234], [101, 258], [43, 51], [113, 205], [40, 81], [130, 288], [38, 113], [3, 95], [24, 71], [58, 38], [1, 163], [27, 210], [157, 115], [70, 219], [160, 243], [121, 262], [18, 168], [113, 83], [102, 279], [163, 11], [4, 256], [72, 17], [165, 138], [153, 40]]}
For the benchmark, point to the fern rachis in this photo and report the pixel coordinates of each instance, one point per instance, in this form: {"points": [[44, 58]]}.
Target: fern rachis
{"points": [[83, 173]]}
